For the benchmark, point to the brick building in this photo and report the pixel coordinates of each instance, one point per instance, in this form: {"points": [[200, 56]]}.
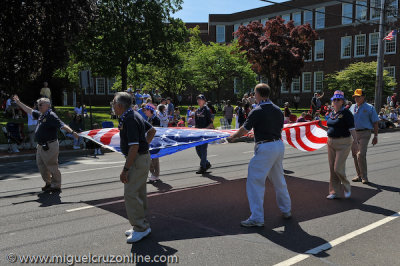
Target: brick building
{"points": [[348, 33]]}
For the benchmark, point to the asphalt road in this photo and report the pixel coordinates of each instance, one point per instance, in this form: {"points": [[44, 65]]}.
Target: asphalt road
{"points": [[197, 218]]}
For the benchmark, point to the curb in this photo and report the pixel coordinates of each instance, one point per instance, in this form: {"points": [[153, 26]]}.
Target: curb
{"points": [[31, 157]]}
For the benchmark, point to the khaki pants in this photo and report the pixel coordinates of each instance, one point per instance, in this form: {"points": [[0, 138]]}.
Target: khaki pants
{"points": [[155, 167], [135, 192], [338, 151], [47, 162], [359, 152]]}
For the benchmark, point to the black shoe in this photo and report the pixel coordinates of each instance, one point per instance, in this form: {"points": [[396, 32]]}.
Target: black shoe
{"points": [[47, 187], [201, 171], [208, 166], [54, 190]]}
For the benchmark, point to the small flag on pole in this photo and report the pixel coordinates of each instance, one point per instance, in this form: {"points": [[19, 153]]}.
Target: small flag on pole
{"points": [[391, 35]]}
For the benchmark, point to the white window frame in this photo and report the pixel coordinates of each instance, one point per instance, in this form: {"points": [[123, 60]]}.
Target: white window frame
{"points": [[304, 81], [310, 56], [97, 86], [110, 83], [296, 16], [284, 89], [295, 81], [374, 12], [320, 18], [370, 43], [392, 42], [286, 17], [220, 36], [356, 44], [342, 47], [361, 7], [394, 5], [308, 19], [316, 52], [315, 81], [65, 98]]}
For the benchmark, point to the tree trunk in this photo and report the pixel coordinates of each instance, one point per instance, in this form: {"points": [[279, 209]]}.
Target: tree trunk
{"points": [[124, 74], [275, 89]]}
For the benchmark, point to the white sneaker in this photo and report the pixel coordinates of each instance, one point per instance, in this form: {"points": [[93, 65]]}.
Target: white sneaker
{"points": [[331, 196], [137, 236], [99, 151], [129, 232], [154, 178], [76, 147], [347, 194]]}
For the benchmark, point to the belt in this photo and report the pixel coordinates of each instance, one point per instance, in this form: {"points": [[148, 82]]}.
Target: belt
{"points": [[47, 142], [364, 129], [266, 141], [140, 153]]}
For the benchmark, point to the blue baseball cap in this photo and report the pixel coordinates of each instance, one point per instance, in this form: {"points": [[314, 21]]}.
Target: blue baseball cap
{"points": [[201, 96]]}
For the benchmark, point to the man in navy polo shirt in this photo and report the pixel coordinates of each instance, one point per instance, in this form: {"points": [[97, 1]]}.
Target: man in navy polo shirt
{"points": [[267, 121]]}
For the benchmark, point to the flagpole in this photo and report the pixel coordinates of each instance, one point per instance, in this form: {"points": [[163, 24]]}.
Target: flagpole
{"points": [[380, 58]]}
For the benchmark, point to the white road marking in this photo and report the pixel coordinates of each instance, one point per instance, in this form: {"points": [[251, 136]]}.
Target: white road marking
{"points": [[63, 173], [209, 156], [338, 241], [93, 206], [248, 152]]}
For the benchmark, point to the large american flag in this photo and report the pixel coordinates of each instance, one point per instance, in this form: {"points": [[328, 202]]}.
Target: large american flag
{"points": [[307, 136]]}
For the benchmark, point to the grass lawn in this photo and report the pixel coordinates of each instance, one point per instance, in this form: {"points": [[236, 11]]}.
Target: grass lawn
{"points": [[99, 114]]}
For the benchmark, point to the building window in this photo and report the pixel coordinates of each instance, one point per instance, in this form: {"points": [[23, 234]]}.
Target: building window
{"points": [[391, 72], [373, 43], [220, 33], [359, 45], [375, 9], [345, 50], [347, 13], [320, 18], [318, 81], [263, 21], [296, 85], [392, 9], [297, 18], [309, 56], [390, 46], [307, 80], [286, 17], [100, 86], [361, 10], [284, 88], [308, 18], [319, 50], [110, 84], [65, 98]]}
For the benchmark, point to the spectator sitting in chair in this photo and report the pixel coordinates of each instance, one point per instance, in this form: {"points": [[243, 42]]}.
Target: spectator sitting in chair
{"points": [[191, 121], [181, 122], [77, 125]]}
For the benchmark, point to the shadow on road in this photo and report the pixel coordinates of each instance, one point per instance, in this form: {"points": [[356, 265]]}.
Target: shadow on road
{"points": [[217, 209]]}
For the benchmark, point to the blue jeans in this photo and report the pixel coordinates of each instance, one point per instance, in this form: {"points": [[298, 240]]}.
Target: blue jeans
{"points": [[202, 153]]}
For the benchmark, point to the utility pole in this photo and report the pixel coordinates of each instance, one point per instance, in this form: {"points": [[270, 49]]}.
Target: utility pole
{"points": [[380, 58]]}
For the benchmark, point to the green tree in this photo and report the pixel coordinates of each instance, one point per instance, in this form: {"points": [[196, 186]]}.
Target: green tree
{"points": [[215, 66], [359, 75], [35, 36], [127, 33]]}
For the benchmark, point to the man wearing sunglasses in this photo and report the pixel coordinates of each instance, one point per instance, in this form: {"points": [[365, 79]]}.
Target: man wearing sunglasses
{"points": [[46, 137]]}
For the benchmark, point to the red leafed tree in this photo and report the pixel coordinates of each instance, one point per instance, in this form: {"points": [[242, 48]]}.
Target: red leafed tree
{"points": [[276, 50]]}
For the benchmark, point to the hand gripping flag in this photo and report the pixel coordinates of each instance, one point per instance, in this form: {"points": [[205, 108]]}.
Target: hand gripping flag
{"points": [[305, 136]]}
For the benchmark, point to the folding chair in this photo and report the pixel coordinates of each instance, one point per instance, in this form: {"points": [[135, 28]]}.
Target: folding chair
{"points": [[14, 135], [107, 124]]}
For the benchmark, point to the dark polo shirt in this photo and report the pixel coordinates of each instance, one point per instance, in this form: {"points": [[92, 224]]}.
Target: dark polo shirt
{"points": [[133, 131], [266, 120], [203, 117], [339, 125], [47, 128]]}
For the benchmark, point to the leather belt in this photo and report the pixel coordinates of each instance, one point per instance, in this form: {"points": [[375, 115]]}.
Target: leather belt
{"points": [[364, 129], [47, 142], [266, 141]]}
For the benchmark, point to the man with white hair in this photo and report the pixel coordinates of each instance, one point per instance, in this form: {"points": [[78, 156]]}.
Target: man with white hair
{"points": [[46, 137]]}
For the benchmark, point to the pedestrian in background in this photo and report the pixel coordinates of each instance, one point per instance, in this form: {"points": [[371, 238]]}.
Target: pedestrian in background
{"points": [[228, 112]]}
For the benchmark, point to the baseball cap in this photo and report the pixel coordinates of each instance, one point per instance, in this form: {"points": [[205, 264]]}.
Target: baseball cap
{"points": [[201, 96], [358, 92]]}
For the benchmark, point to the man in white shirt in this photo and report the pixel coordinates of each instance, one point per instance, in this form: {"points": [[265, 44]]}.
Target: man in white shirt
{"points": [[78, 109]]}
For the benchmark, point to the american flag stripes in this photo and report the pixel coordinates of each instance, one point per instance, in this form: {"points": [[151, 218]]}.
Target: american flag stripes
{"points": [[391, 35]]}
